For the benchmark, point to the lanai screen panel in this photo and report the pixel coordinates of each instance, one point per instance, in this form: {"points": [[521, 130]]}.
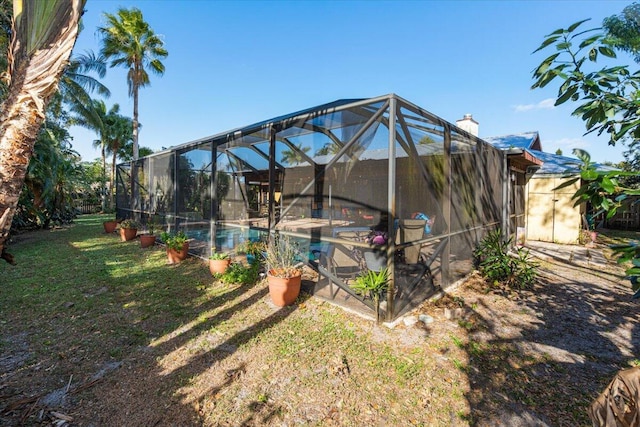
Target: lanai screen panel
{"points": [[241, 188], [466, 209], [123, 191], [161, 184], [193, 195], [332, 171], [492, 164], [141, 202], [419, 198]]}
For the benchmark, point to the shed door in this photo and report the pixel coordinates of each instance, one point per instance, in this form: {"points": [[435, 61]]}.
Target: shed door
{"points": [[551, 216]]}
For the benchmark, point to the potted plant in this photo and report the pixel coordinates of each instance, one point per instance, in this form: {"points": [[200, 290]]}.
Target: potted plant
{"points": [[148, 239], [376, 257], [284, 275], [372, 284], [110, 226], [255, 250], [128, 229], [590, 222], [218, 262], [177, 246]]}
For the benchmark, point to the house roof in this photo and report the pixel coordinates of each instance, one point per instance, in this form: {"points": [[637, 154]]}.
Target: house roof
{"points": [[552, 164], [526, 141], [555, 164]]}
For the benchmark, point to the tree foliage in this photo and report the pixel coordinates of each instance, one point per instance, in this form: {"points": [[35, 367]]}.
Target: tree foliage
{"points": [[608, 100], [624, 30], [128, 41], [607, 96], [42, 39]]}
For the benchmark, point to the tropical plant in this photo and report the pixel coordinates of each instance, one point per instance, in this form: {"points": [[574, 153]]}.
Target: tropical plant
{"points": [[118, 133], [372, 284], [93, 118], [129, 42], [282, 257], [174, 241], [53, 177], [500, 263], [43, 38], [129, 223]]}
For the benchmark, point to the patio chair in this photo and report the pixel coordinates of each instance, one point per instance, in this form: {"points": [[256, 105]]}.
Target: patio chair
{"points": [[342, 262], [411, 230]]}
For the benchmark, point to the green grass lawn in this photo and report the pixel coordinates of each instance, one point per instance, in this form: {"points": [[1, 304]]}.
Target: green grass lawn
{"points": [[127, 339], [80, 299]]}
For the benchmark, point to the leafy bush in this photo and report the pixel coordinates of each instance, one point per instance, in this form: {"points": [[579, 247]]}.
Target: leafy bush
{"points": [[501, 264], [241, 274], [174, 241]]}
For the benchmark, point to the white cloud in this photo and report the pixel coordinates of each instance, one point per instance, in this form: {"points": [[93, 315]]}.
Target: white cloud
{"points": [[545, 104]]}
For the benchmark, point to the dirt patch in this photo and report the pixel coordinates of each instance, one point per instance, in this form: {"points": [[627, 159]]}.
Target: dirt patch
{"points": [[224, 356]]}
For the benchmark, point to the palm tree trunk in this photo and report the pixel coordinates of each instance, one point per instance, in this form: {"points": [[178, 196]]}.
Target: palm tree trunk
{"points": [[104, 178], [40, 49], [113, 182], [135, 123]]}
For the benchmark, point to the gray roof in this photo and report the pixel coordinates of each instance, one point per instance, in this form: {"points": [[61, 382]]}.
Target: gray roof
{"points": [[521, 140], [555, 164]]}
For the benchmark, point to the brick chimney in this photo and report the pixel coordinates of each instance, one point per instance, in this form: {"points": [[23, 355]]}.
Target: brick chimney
{"points": [[467, 123]]}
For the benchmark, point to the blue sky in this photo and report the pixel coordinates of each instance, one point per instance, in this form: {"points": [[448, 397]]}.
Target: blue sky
{"points": [[235, 63]]}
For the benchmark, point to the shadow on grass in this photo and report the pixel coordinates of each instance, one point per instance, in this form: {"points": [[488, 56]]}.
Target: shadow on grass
{"points": [[547, 370], [107, 302]]}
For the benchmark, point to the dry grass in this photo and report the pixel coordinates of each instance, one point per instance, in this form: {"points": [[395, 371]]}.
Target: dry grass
{"points": [[108, 334]]}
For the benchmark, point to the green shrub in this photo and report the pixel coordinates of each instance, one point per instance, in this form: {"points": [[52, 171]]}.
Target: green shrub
{"points": [[174, 241], [500, 263], [238, 273]]}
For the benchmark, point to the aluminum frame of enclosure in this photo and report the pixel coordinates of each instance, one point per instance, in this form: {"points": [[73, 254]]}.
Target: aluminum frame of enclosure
{"points": [[331, 177]]}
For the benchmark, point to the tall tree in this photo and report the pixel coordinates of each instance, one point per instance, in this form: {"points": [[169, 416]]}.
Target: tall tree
{"points": [[623, 30], [43, 38], [53, 176], [93, 118], [118, 133], [129, 42]]}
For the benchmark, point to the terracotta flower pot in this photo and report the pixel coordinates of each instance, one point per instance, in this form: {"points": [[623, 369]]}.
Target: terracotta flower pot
{"points": [[218, 266], [128, 234], [175, 257], [110, 226], [147, 240], [284, 291]]}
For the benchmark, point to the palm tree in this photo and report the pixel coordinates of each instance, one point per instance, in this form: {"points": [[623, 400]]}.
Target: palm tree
{"points": [[118, 133], [294, 156], [52, 176], [76, 85], [129, 42], [93, 118], [44, 36]]}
